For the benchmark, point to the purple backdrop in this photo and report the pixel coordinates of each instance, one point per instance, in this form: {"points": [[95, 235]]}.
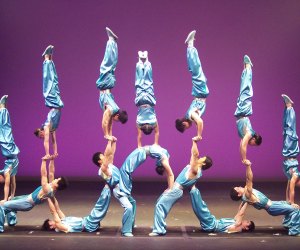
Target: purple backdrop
{"points": [[268, 31]]}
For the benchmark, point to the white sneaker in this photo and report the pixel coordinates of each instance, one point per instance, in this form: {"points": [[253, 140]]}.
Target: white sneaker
{"points": [[190, 37], [111, 34], [286, 99]]}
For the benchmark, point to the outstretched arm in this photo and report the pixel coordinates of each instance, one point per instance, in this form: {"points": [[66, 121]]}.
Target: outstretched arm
{"points": [[156, 134], [54, 144], [56, 216], [106, 119], [139, 137], [194, 157], [51, 170], [44, 175], [240, 214], [169, 172], [243, 148], [108, 156], [249, 182], [199, 123], [46, 141], [291, 194], [6, 186]]}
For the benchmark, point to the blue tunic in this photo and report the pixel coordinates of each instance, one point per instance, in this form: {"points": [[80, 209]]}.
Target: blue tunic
{"points": [[199, 80], [197, 106], [107, 100], [8, 147], [144, 84], [208, 222], [50, 86], [244, 102], [146, 115], [107, 77], [113, 180], [53, 119], [183, 180], [243, 125]]}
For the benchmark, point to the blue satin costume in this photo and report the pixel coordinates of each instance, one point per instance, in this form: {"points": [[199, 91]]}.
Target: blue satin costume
{"points": [[275, 208], [134, 160], [90, 223], [51, 94], [8, 146], [199, 90], [107, 79], [126, 202], [22, 203], [145, 99], [166, 201], [244, 104], [208, 222], [290, 148]]}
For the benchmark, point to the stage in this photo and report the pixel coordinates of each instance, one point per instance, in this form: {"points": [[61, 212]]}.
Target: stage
{"points": [[182, 225]]}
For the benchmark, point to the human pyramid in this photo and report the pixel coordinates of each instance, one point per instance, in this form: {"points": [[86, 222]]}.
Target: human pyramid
{"points": [[119, 181]]}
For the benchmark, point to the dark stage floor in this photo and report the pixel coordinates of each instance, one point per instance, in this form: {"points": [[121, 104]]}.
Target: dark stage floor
{"points": [[183, 226]]}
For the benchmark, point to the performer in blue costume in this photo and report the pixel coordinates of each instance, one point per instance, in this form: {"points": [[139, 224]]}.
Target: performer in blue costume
{"points": [[259, 201], [105, 82], [290, 149], [53, 101], [70, 224], [186, 179], [38, 196], [132, 162], [199, 91], [145, 100], [111, 175], [244, 110], [209, 223], [10, 151]]}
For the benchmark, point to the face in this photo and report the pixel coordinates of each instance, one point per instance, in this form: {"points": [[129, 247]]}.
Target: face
{"points": [[252, 142], [116, 118], [51, 224], [202, 159], [101, 158], [41, 134], [246, 224], [55, 182], [240, 190], [186, 124]]}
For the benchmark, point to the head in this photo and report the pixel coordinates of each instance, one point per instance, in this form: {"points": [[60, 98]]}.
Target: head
{"points": [[255, 140], [236, 193], [98, 159], [206, 162], [160, 170], [248, 226], [121, 116], [147, 129], [48, 225], [182, 124], [60, 183], [39, 132]]}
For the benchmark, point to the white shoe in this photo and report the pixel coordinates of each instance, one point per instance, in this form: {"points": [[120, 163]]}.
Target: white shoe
{"points": [[191, 37], [153, 234], [286, 99], [111, 34], [127, 235]]}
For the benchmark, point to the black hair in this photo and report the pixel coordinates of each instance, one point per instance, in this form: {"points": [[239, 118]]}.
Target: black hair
{"points": [[37, 131], [179, 125], [160, 170], [251, 227], [234, 195], [147, 129], [123, 116], [257, 138], [46, 226], [96, 158], [63, 183], [208, 163]]}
